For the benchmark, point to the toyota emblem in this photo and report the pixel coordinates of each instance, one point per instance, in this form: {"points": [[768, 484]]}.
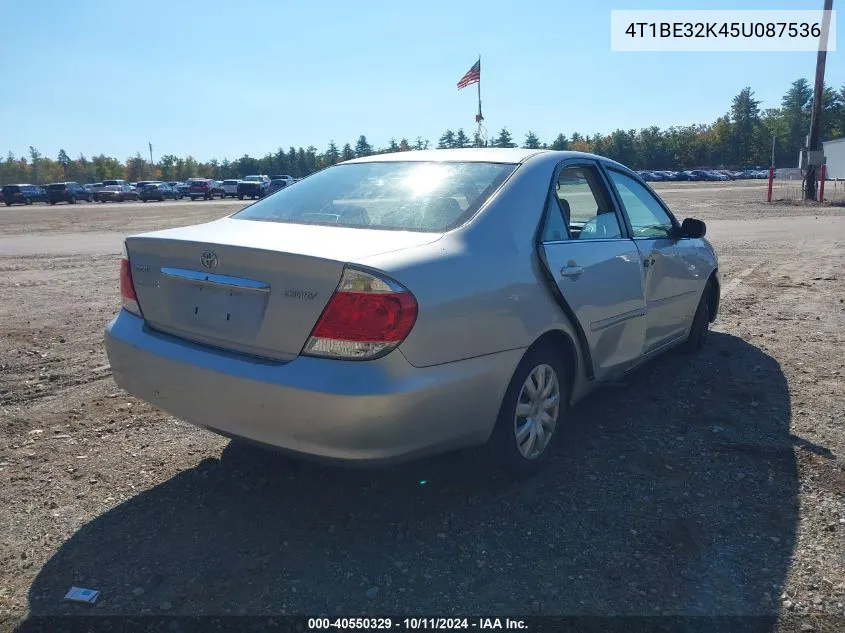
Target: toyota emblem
{"points": [[209, 260]]}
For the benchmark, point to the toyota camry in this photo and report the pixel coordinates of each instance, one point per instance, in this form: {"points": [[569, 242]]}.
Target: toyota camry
{"points": [[411, 303]]}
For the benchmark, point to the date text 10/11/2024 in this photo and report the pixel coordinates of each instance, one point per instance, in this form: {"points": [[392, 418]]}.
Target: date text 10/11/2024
{"points": [[416, 624]]}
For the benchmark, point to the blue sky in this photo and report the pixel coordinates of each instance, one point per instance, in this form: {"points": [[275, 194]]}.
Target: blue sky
{"points": [[222, 79]]}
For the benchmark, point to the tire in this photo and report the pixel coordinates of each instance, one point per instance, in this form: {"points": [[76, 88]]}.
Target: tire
{"points": [[193, 198], [8, 204], [52, 203], [518, 411], [72, 200], [27, 201], [240, 197], [700, 324], [209, 197], [145, 200]]}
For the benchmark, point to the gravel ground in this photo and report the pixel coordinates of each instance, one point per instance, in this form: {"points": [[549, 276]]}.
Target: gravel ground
{"points": [[704, 485]]}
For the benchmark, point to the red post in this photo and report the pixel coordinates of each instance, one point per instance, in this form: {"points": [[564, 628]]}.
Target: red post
{"points": [[771, 179], [821, 184]]}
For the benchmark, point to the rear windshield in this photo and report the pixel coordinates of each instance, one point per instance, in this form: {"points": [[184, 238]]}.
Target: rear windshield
{"points": [[151, 185], [112, 187], [405, 196], [230, 182], [253, 178]]}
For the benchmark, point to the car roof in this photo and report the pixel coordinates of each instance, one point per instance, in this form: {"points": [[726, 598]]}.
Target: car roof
{"points": [[483, 155], [468, 154]]}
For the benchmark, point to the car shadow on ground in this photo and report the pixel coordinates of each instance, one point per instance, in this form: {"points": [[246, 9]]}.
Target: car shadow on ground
{"points": [[673, 491]]}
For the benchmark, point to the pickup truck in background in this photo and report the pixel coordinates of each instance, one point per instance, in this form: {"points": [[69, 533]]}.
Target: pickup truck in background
{"points": [[254, 187]]}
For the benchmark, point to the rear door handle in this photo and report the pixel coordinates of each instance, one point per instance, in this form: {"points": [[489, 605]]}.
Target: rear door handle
{"points": [[571, 271]]}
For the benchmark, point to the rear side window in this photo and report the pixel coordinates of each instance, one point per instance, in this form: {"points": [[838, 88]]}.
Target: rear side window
{"points": [[58, 187], [11, 189], [404, 196]]}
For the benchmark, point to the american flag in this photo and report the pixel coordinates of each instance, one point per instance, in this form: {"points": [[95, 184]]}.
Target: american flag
{"points": [[473, 76]]}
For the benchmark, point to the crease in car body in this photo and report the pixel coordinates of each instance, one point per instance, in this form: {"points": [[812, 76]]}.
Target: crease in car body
{"points": [[415, 323]]}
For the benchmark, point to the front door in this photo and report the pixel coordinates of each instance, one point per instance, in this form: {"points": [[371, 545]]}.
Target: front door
{"points": [[596, 267], [672, 287]]}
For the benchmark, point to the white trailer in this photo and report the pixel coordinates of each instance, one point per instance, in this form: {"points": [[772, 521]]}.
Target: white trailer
{"points": [[834, 152]]}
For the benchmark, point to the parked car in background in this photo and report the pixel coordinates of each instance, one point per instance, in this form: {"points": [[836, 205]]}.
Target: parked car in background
{"points": [[158, 191], [218, 188], [204, 188], [174, 184], [715, 175], [230, 187], [117, 193], [68, 192], [287, 179], [95, 187], [645, 175], [253, 187], [339, 318], [277, 185], [24, 194]]}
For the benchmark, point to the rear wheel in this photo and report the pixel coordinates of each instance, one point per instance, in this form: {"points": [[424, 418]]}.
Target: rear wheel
{"points": [[530, 414], [193, 198], [27, 201], [240, 197], [700, 323], [72, 200]]}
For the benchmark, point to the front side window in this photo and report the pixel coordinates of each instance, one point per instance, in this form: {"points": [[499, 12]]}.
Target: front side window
{"points": [[648, 217], [404, 196]]}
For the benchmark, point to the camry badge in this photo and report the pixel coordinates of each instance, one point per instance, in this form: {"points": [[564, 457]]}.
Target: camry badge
{"points": [[209, 260]]}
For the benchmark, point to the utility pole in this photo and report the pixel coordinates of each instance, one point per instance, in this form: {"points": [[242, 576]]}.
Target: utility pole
{"points": [[814, 142], [152, 165]]}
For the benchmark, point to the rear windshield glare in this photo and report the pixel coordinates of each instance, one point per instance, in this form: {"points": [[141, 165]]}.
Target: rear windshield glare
{"points": [[403, 196]]}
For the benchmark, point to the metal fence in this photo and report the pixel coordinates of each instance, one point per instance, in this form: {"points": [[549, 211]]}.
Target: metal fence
{"points": [[789, 186]]}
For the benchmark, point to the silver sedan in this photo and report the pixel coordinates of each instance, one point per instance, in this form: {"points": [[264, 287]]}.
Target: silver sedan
{"points": [[406, 304]]}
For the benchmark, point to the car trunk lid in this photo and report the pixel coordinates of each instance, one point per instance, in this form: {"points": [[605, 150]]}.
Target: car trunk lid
{"points": [[251, 287]]}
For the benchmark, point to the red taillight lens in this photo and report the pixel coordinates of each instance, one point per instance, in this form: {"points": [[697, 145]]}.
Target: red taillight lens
{"points": [[127, 288], [374, 318], [366, 317]]}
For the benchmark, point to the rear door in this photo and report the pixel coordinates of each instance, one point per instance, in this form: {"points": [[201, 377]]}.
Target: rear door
{"points": [[672, 284], [595, 266]]}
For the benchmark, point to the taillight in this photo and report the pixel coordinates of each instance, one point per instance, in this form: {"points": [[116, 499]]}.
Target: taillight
{"points": [[366, 317], [127, 288]]}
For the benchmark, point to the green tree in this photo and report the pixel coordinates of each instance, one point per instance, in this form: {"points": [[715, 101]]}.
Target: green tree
{"points": [[461, 139], [447, 140], [532, 141], [560, 143], [64, 160], [745, 116], [795, 108], [347, 153], [362, 147], [136, 168], [332, 155], [504, 139], [403, 145], [393, 146]]}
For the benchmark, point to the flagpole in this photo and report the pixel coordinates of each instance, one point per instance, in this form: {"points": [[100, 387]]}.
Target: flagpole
{"points": [[480, 118]]}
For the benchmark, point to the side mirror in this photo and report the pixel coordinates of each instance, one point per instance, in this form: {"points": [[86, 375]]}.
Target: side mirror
{"points": [[692, 228]]}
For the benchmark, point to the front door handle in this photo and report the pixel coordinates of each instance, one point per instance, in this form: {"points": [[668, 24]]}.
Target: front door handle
{"points": [[572, 272]]}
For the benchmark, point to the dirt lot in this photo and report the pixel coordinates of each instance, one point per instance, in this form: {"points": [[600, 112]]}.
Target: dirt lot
{"points": [[712, 484]]}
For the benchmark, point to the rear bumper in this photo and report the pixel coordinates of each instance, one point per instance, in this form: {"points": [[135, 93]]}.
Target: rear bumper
{"points": [[369, 413]]}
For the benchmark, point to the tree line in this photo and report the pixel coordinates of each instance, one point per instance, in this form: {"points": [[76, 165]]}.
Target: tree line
{"points": [[742, 137]]}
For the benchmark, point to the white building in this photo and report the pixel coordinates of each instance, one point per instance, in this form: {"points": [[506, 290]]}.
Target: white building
{"points": [[834, 152]]}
